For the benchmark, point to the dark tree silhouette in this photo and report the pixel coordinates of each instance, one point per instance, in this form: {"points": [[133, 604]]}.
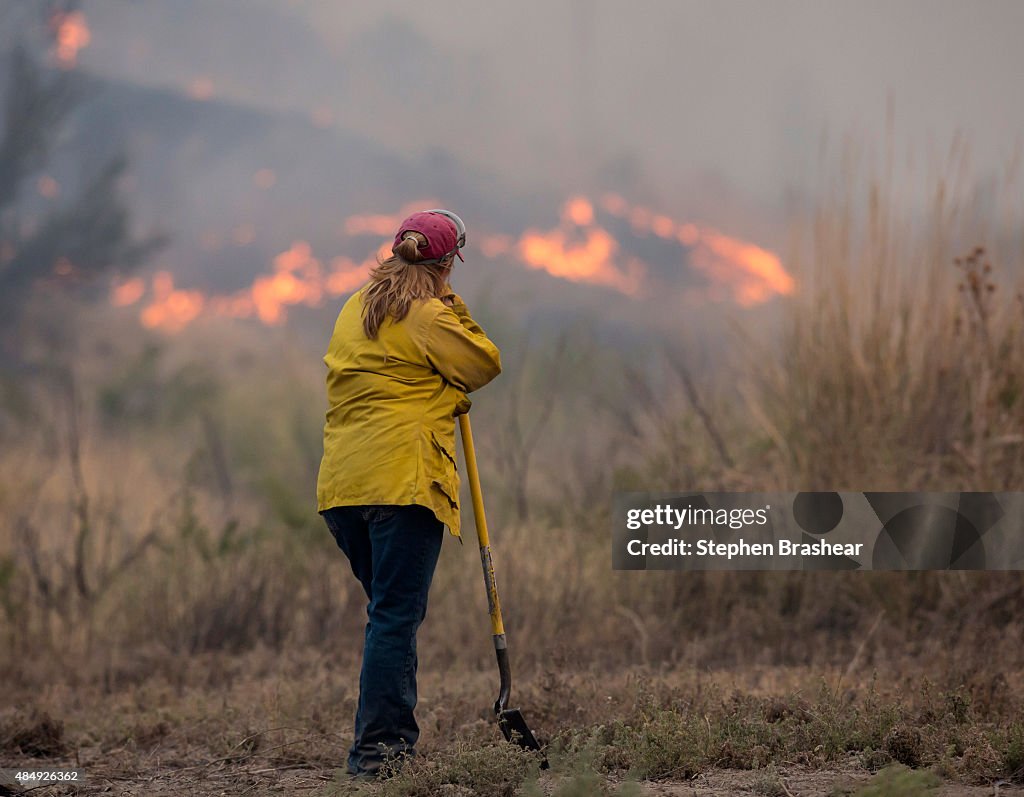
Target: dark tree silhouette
{"points": [[77, 240]]}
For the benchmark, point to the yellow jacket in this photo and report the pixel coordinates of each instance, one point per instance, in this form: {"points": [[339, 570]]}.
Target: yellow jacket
{"points": [[390, 431]]}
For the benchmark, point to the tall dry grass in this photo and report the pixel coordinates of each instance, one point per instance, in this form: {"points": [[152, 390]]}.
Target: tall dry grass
{"points": [[902, 362]]}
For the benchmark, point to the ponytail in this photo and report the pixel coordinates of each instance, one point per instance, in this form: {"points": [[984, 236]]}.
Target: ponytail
{"points": [[397, 281], [409, 248]]}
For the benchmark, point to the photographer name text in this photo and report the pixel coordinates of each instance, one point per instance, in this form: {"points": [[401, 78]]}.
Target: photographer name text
{"points": [[741, 548]]}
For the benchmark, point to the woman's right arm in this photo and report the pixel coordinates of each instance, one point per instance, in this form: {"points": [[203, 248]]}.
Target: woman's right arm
{"points": [[458, 348]]}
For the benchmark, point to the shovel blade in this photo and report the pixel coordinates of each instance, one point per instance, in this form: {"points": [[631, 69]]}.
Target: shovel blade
{"points": [[514, 728]]}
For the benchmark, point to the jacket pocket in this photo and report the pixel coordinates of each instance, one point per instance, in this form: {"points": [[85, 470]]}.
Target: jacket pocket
{"points": [[445, 475]]}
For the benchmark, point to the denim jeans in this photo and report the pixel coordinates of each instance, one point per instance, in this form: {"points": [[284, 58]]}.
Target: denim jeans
{"points": [[393, 551]]}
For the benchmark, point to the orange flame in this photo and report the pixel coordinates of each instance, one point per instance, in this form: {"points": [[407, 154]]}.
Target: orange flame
{"points": [[592, 260], [579, 211], [128, 292], [579, 249], [748, 274], [171, 310], [201, 88], [71, 34], [298, 278], [755, 274]]}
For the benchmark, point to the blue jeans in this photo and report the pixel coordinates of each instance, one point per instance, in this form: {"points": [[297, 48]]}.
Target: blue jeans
{"points": [[393, 551]]}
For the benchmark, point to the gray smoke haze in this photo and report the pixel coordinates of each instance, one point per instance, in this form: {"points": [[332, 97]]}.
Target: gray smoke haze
{"points": [[674, 97]]}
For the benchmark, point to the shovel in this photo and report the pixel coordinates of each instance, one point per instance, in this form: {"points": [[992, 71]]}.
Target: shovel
{"points": [[510, 720]]}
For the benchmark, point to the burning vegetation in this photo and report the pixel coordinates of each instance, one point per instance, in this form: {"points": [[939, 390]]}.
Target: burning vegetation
{"points": [[70, 35], [583, 247]]}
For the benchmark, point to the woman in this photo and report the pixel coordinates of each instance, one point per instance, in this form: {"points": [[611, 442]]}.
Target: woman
{"points": [[403, 356]]}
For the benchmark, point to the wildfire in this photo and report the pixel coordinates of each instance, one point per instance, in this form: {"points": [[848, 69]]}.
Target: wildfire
{"points": [[754, 273], [298, 278], [171, 309], [71, 34], [749, 274], [581, 250], [578, 249], [579, 211], [201, 88], [592, 259], [127, 292]]}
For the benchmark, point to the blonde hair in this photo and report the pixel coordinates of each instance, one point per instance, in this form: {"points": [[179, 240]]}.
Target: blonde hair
{"points": [[397, 281]]}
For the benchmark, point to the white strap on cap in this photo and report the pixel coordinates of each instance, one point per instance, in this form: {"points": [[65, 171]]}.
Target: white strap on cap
{"points": [[459, 226]]}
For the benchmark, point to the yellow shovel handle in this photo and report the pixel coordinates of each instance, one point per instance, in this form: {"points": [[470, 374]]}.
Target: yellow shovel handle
{"points": [[497, 627]]}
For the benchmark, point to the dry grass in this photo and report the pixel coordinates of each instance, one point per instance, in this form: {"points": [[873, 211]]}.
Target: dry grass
{"points": [[240, 722], [902, 360]]}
